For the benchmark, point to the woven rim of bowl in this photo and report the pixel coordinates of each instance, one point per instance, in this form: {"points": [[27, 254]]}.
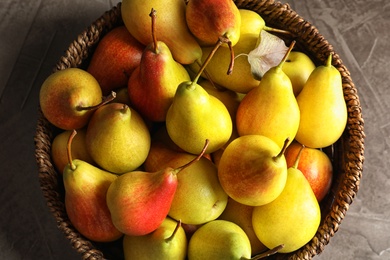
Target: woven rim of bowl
{"points": [[349, 149]]}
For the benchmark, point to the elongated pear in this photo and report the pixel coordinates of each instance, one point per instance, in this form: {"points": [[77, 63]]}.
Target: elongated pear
{"points": [[292, 219], [271, 108], [85, 199], [172, 29], [151, 94], [322, 106], [139, 201], [117, 138]]}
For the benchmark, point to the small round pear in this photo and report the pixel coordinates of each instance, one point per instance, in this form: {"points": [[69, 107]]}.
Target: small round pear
{"points": [[219, 239]]}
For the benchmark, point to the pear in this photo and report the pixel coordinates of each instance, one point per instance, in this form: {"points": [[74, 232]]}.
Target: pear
{"points": [[209, 20], [197, 114], [117, 138], [253, 170], [85, 199], [292, 219], [139, 201], [116, 56], [219, 239], [172, 30], [151, 94], [79, 149], [199, 197], [168, 242], [69, 97], [271, 108], [241, 215], [298, 68], [323, 109]]}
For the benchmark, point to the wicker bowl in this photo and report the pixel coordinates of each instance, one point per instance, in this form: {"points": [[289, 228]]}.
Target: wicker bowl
{"points": [[346, 154]]}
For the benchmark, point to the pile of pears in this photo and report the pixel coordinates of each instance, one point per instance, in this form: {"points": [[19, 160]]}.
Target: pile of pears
{"points": [[169, 143]]}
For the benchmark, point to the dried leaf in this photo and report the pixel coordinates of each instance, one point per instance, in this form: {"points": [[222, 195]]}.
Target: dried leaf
{"points": [[267, 54]]}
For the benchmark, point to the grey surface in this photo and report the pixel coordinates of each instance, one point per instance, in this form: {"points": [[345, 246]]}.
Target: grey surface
{"points": [[34, 35]]}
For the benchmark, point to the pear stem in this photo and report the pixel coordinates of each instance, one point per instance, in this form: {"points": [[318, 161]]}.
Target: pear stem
{"points": [[286, 54], [230, 69], [283, 149], [270, 29], [329, 60], [105, 100], [174, 232], [298, 157], [197, 158], [220, 41], [268, 252], [69, 150], [153, 15]]}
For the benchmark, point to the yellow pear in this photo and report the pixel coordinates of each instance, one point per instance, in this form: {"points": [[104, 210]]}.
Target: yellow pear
{"points": [[168, 241], [172, 28], [322, 107], [219, 240], [292, 219], [270, 109]]}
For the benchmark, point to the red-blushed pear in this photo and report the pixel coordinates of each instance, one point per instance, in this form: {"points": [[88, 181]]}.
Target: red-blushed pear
{"points": [[116, 56], [315, 165], [79, 149], [139, 201], [69, 97], [270, 109], [85, 199], [253, 170], [292, 219], [168, 241], [172, 30], [117, 138], [153, 83], [209, 20], [241, 215]]}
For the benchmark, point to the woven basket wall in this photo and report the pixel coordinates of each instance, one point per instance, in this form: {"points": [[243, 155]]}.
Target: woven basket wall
{"points": [[346, 154]]}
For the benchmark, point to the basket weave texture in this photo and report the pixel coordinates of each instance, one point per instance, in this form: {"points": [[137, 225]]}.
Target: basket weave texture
{"points": [[347, 154]]}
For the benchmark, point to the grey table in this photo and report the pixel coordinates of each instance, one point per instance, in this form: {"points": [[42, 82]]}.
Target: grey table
{"points": [[34, 35]]}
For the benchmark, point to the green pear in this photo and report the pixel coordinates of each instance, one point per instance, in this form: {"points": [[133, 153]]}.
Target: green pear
{"points": [[292, 219], [209, 20], [219, 239], [298, 68], [322, 106], [69, 97], [85, 199], [253, 170], [117, 138], [79, 149], [168, 242], [172, 29], [271, 108], [151, 94]]}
